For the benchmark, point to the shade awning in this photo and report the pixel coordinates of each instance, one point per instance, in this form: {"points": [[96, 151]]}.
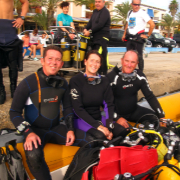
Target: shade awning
{"points": [[150, 12]]}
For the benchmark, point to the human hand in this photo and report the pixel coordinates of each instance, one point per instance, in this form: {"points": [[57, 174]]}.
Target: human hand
{"points": [[105, 130], [123, 122], [84, 31], [32, 138], [70, 138], [71, 36], [144, 36], [123, 37], [18, 23], [87, 33]]}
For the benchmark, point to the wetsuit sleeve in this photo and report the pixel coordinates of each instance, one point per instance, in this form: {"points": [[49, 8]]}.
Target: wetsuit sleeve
{"points": [[67, 110], [104, 17], [20, 97], [76, 98], [89, 24], [152, 100], [108, 102]]}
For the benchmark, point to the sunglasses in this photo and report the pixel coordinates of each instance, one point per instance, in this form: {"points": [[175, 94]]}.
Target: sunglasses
{"points": [[136, 4]]}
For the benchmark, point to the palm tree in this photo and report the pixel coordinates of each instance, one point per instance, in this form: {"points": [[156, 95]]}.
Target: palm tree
{"points": [[41, 20], [121, 12], [173, 7], [168, 22], [50, 5]]}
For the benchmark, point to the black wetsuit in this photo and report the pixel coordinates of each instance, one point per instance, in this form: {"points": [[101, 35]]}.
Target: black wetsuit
{"points": [[100, 25], [87, 100], [125, 97], [44, 119], [10, 53]]}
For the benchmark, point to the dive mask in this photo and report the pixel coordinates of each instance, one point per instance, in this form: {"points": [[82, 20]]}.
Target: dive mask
{"points": [[128, 77]]}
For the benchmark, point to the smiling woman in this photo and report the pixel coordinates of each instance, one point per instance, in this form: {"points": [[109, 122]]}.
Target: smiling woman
{"points": [[89, 92]]}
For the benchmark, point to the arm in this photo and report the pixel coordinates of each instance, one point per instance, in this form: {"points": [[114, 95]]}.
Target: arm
{"points": [[47, 36], [152, 100], [20, 97], [108, 101], [76, 99], [67, 109], [25, 6], [88, 26], [125, 30], [104, 17], [152, 25]]}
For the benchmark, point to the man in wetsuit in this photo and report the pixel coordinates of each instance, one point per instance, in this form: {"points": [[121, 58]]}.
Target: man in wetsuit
{"points": [[10, 45], [99, 28], [134, 29], [126, 81], [40, 94]]}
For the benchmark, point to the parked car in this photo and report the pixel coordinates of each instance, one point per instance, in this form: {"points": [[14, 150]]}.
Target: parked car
{"points": [[159, 41], [176, 37], [115, 39], [40, 32]]}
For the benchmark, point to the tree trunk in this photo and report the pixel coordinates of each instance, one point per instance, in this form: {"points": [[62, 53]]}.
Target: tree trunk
{"points": [[50, 13]]}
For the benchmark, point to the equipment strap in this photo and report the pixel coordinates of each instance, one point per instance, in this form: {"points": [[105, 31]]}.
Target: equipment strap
{"points": [[39, 92]]}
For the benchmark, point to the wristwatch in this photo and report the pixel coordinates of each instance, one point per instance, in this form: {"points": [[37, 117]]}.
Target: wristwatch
{"points": [[90, 31], [22, 17]]}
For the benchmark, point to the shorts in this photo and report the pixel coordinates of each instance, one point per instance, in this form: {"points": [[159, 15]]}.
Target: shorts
{"points": [[26, 48], [33, 44]]}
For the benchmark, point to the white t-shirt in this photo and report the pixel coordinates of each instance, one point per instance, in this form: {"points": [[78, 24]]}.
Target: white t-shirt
{"points": [[137, 21], [33, 39], [43, 41]]}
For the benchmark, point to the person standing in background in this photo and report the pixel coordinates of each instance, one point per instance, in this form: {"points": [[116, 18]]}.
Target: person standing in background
{"points": [[99, 28], [134, 30], [64, 19], [10, 45]]}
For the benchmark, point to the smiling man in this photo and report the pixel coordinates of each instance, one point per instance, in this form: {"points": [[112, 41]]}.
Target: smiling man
{"points": [[99, 28], [40, 94], [126, 81], [134, 29]]}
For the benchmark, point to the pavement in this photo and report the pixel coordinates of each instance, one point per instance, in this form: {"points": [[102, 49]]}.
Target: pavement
{"points": [[162, 71]]}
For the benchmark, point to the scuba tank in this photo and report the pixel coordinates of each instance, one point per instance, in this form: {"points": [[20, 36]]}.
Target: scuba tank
{"points": [[166, 173], [66, 51], [82, 51]]}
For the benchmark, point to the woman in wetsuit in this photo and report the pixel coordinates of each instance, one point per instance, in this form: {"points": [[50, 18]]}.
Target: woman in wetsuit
{"points": [[89, 92]]}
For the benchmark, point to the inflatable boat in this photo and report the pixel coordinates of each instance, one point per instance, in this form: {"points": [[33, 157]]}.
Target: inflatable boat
{"points": [[58, 157]]}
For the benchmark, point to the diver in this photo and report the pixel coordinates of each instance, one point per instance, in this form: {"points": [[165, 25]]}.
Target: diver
{"points": [[11, 47], [89, 93], [40, 95], [134, 30], [99, 27], [126, 81]]}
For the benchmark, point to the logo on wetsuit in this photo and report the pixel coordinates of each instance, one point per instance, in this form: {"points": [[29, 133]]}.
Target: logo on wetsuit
{"points": [[74, 93], [50, 100], [126, 86]]}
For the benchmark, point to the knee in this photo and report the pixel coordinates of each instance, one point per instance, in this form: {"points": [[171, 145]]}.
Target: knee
{"points": [[34, 159]]}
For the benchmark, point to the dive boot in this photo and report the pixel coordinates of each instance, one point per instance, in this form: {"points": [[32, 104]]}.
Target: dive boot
{"points": [[2, 95]]}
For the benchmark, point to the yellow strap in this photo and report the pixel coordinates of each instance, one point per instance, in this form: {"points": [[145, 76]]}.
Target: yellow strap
{"points": [[106, 38], [107, 58], [84, 36], [39, 87]]}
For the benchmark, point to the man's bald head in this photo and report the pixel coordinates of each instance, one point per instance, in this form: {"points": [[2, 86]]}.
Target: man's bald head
{"points": [[131, 53], [129, 61]]}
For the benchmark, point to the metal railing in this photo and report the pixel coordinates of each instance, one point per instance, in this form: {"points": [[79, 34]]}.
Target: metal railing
{"points": [[76, 44]]}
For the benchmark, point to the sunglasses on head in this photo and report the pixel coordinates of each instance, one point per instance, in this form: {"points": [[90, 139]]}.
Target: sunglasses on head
{"points": [[136, 4]]}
